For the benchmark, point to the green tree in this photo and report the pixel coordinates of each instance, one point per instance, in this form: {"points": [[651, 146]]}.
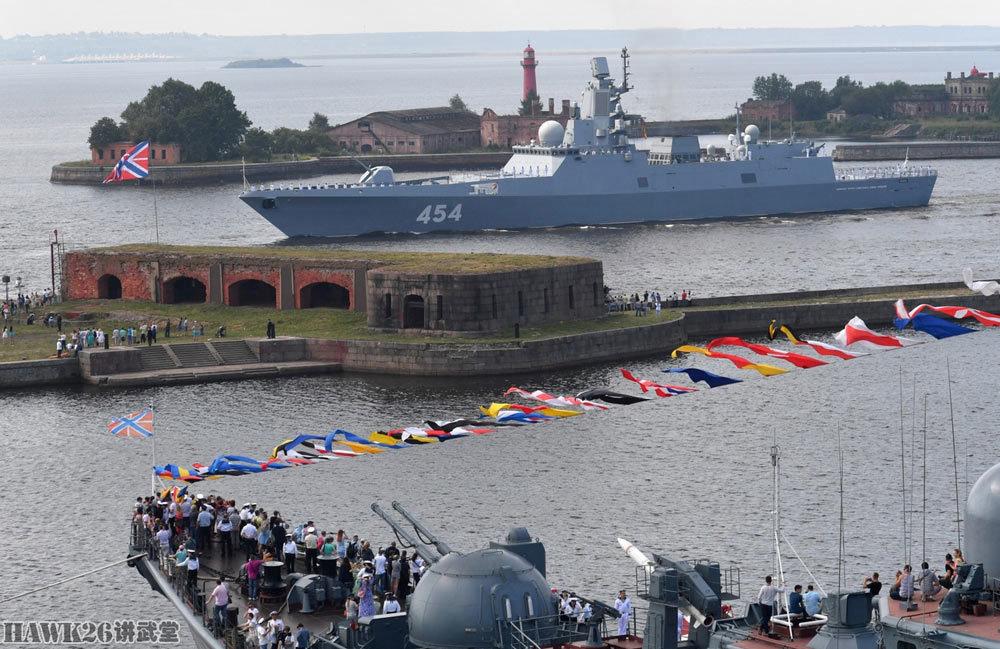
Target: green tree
{"points": [[457, 103], [205, 121], [530, 104], [811, 100], [319, 122], [995, 101], [845, 86], [104, 132], [776, 86], [256, 145]]}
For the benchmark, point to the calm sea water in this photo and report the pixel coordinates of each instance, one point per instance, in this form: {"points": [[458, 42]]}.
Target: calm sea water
{"points": [[688, 475]]}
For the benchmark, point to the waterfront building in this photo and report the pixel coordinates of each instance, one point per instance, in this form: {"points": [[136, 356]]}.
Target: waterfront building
{"points": [[758, 111], [444, 295], [922, 100], [837, 115], [414, 130], [969, 94], [159, 153], [506, 131]]}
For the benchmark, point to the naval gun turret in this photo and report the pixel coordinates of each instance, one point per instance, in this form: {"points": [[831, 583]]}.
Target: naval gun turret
{"points": [[479, 599]]}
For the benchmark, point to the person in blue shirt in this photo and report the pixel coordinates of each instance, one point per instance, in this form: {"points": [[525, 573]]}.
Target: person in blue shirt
{"points": [[795, 607], [812, 601], [301, 637]]}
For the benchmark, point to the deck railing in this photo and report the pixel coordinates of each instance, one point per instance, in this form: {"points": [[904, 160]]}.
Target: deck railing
{"points": [[899, 171]]}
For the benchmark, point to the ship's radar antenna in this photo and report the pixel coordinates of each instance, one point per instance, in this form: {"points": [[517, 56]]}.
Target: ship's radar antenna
{"points": [[625, 71]]}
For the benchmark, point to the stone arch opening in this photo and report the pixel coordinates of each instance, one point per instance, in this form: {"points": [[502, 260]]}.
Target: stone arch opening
{"points": [[324, 294], [109, 287], [252, 292], [413, 312], [184, 290]]}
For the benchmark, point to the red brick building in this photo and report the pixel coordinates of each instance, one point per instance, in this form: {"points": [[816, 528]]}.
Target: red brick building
{"points": [[760, 110], [416, 130], [236, 277], [159, 154], [506, 131]]}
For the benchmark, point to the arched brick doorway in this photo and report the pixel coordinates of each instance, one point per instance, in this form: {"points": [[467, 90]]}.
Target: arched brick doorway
{"points": [[109, 287], [183, 289], [252, 292], [324, 294], [413, 312]]}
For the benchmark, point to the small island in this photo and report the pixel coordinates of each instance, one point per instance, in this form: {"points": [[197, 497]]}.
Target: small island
{"points": [[264, 63]]}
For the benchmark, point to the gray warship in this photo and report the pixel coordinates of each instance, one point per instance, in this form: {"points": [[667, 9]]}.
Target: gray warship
{"points": [[498, 598], [590, 173]]}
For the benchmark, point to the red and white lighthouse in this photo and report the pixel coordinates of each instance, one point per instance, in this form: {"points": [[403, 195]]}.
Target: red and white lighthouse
{"points": [[529, 63]]}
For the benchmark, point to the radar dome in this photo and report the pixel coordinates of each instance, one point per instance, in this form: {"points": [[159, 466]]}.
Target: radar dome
{"points": [[460, 598], [753, 132], [982, 522], [550, 133]]}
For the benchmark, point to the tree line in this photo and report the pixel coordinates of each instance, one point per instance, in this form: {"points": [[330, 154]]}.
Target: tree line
{"points": [[812, 101], [209, 127]]}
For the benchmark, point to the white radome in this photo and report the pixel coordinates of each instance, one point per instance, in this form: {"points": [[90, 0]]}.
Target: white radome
{"points": [[550, 133]]}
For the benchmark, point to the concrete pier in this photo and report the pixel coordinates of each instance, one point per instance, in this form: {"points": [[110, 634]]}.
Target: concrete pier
{"points": [[273, 172], [925, 151], [285, 356]]}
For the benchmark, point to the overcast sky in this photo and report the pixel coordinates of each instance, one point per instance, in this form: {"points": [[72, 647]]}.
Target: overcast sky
{"points": [[252, 17]]}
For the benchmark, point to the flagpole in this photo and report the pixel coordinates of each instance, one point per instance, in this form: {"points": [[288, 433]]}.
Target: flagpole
{"points": [[156, 216], [152, 477]]}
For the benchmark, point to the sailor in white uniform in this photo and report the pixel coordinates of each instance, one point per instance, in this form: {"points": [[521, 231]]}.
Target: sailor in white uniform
{"points": [[624, 606]]}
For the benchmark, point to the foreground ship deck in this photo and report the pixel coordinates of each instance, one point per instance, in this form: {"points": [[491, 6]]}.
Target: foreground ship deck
{"points": [[591, 174]]}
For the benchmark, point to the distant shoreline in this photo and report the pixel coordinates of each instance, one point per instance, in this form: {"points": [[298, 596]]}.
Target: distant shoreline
{"points": [[262, 64]]}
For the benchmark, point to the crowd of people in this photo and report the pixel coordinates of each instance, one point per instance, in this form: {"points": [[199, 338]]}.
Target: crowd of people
{"points": [[143, 334], [378, 581], [907, 585], [640, 305], [22, 306]]}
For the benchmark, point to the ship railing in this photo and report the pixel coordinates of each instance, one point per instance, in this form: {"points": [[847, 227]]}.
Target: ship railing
{"points": [[196, 596], [535, 632], [898, 171]]}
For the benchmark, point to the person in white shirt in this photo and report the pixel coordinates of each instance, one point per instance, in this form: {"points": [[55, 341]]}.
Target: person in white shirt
{"points": [[311, 541], [225, 528], [163, 536], [192, 564], [290, 549], [249, 536], [585, 613], [380, 576], [391, 605], [768, 593], [624, 606], [275, 623]]}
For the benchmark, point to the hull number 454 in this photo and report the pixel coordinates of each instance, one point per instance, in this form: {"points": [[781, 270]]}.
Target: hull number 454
{"points": [[438, 213]]}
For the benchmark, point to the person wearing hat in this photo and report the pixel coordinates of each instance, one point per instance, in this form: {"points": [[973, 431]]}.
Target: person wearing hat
{"points": [[277, 628], [191, 563], [391, 604], [311, 542], [265, 637]]}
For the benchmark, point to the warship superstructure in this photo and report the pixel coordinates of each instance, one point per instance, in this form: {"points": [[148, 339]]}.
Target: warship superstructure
{"points": [[591, 173], [498, 597]]}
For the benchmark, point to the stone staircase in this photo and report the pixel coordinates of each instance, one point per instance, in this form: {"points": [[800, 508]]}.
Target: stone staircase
{"points": [[194, 355], [156, 358], [234, 352]]}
